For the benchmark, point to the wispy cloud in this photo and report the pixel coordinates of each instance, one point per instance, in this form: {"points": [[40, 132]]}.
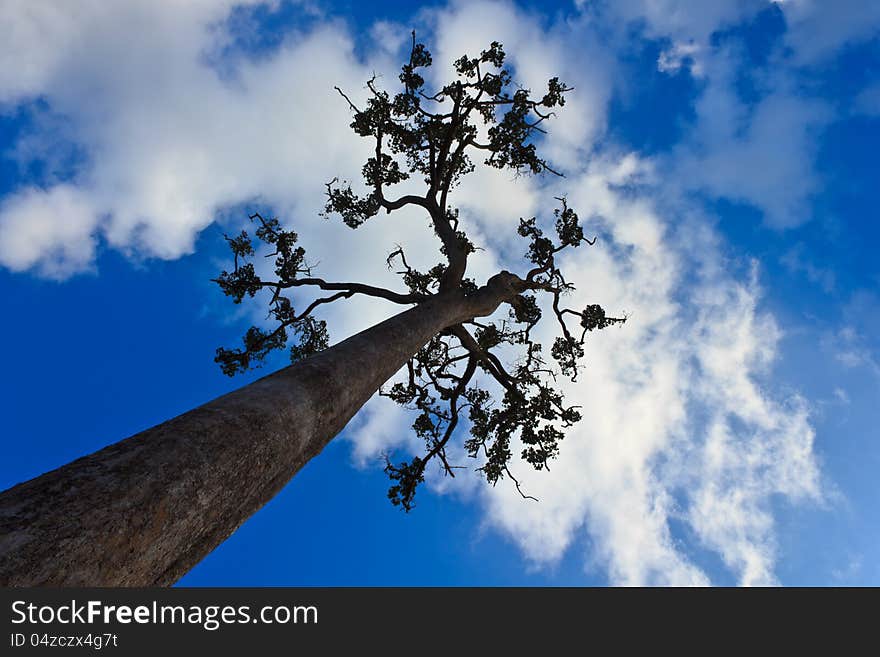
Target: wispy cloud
{"points": [[798, 262]]}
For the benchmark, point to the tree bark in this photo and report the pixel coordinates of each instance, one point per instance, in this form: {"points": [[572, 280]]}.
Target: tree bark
{"points": [[145, 510]]}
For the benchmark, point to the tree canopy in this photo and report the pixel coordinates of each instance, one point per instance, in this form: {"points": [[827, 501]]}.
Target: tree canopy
{"points": [[439, 135]]}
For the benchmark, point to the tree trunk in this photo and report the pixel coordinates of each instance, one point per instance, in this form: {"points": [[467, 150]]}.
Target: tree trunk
{"points": [[147, 509]]}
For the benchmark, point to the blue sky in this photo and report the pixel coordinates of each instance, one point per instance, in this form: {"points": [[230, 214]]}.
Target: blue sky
{"points": [[724, 152]]}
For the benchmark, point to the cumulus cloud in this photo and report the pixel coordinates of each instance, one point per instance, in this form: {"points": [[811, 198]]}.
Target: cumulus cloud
{"points": [[680, 432], [169, 142], [50, 230]]}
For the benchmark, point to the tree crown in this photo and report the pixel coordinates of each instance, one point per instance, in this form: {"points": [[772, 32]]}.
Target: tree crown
{"points": [[436, 134]]}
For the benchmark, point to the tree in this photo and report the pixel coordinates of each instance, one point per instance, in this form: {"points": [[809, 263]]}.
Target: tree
{"points": [[146, 509]]}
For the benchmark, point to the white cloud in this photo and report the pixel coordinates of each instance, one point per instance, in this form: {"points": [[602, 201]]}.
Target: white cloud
{"points": [[762, 156], [679, 429], [51, 231], [169, 142], [760, 152], [852, 342], [755, 447], [645, 386], [851, 349], [677, 55], [680, 20], [817, 30]]}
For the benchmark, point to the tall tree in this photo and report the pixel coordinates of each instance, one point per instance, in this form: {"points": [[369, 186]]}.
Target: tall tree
{"points": [[145, 510]]}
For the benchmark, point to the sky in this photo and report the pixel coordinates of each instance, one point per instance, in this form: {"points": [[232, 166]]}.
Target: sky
{"points": [[723, 152]]}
